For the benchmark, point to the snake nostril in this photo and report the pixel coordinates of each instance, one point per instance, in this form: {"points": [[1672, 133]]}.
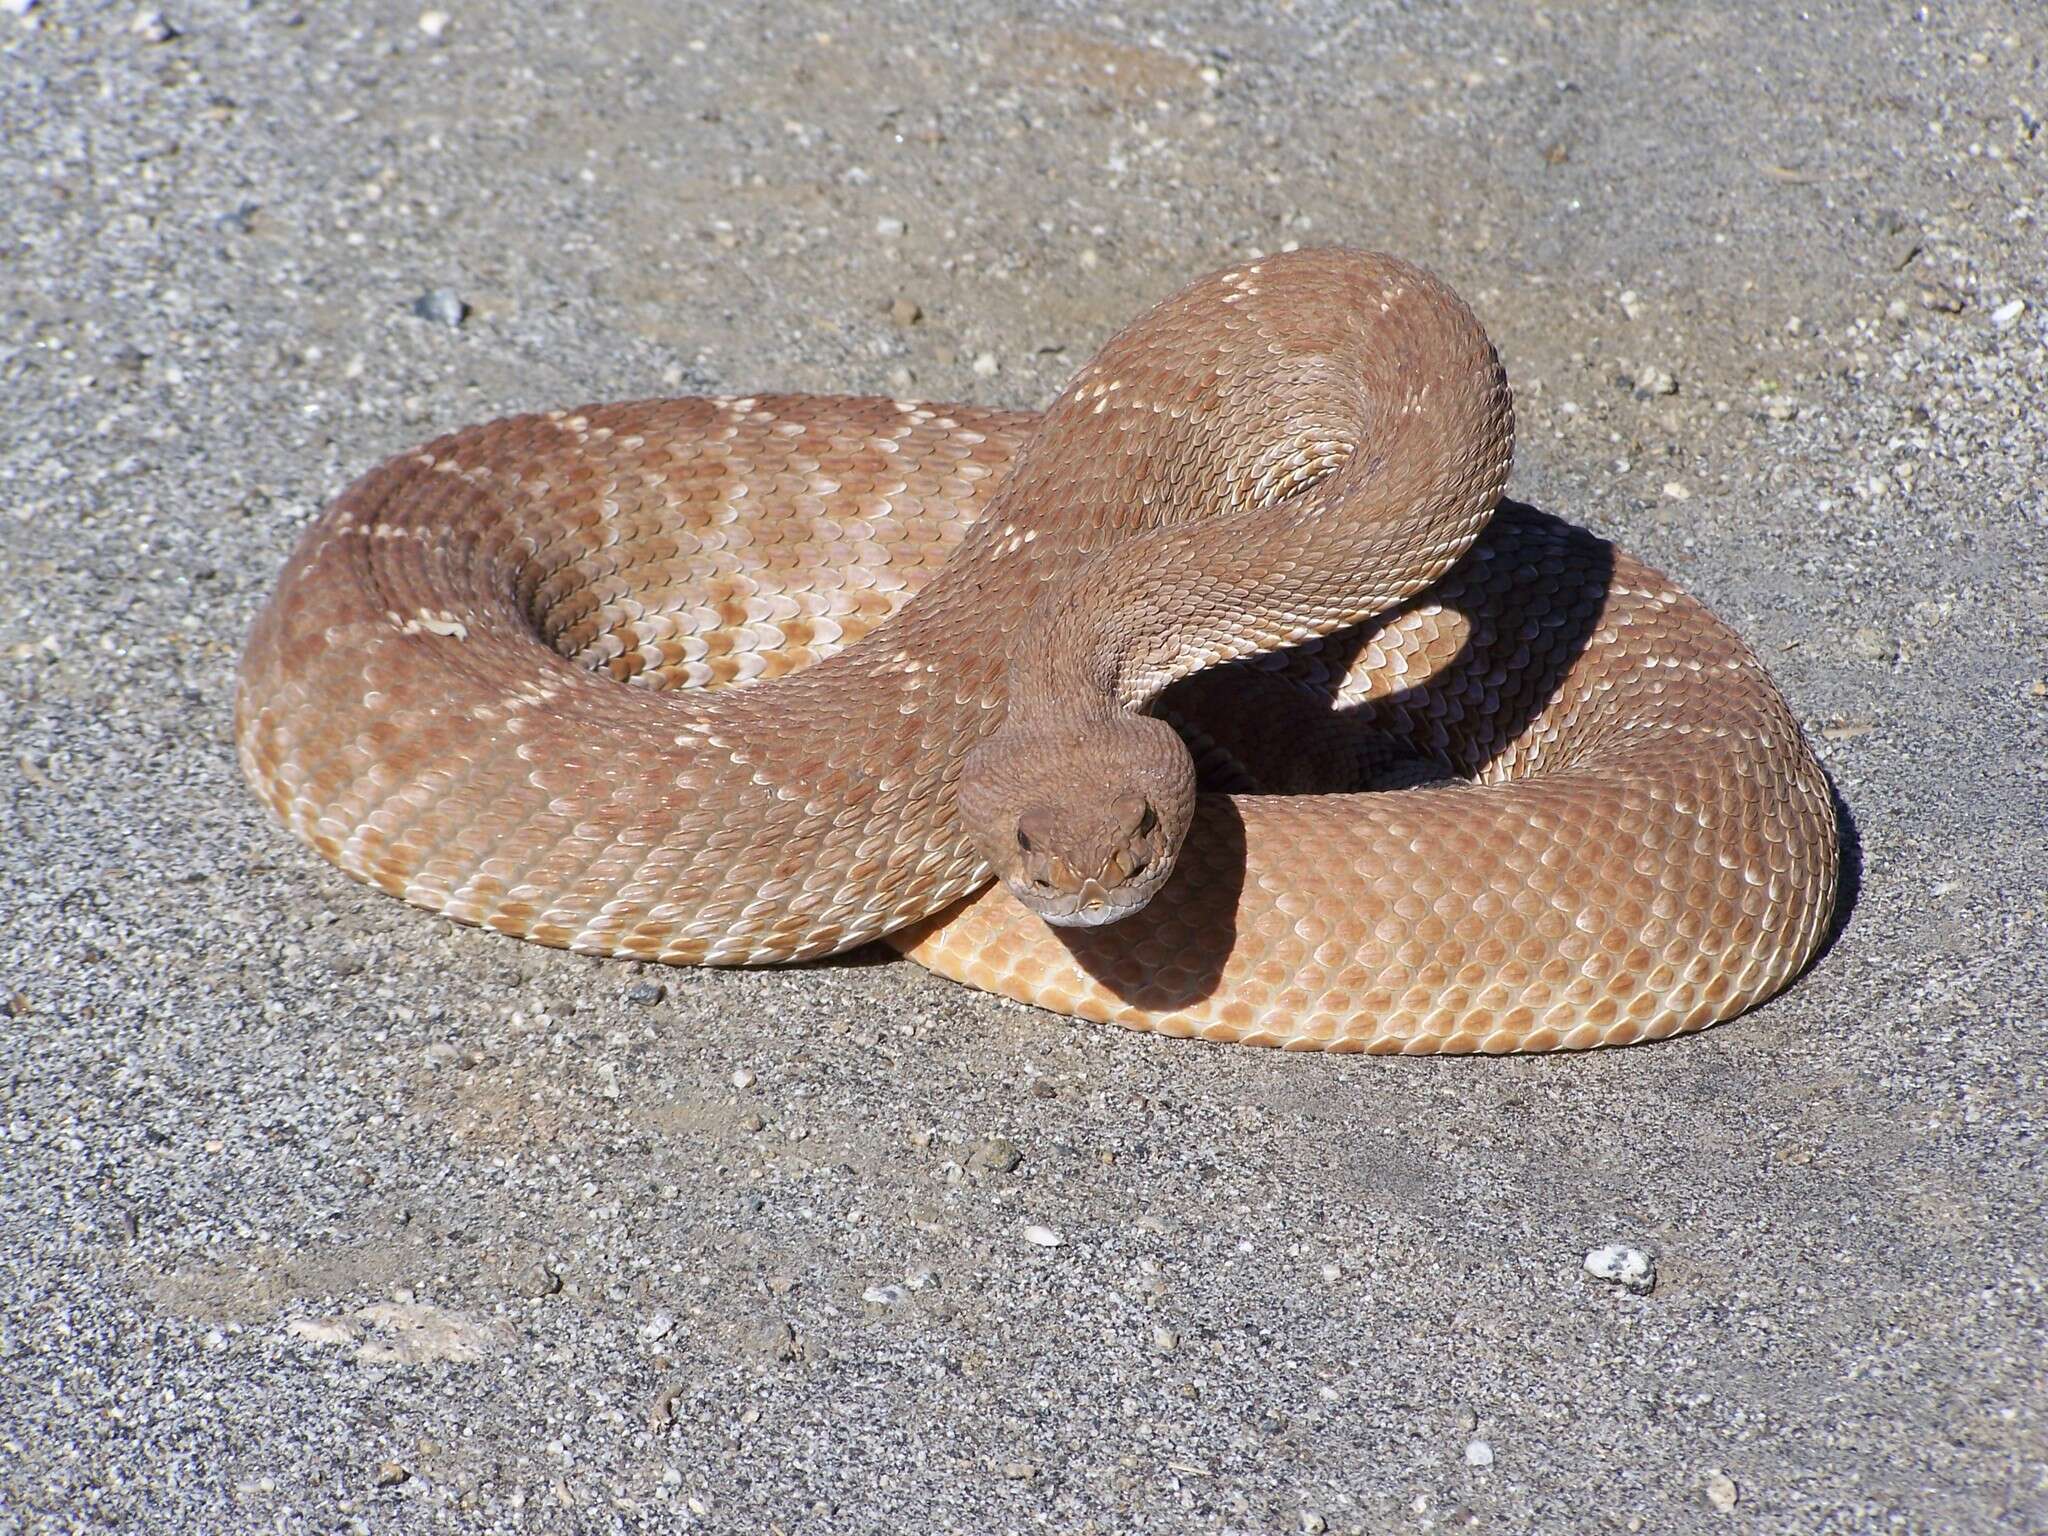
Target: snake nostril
{"points": [[1125, 865]]}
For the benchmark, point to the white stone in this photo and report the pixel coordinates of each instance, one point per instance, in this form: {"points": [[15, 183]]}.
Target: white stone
{"points": [[1721, 1491], [1621, 1265]]}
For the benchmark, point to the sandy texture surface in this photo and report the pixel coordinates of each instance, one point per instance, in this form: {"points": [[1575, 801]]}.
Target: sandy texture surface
{"points": [[319, 1214]]}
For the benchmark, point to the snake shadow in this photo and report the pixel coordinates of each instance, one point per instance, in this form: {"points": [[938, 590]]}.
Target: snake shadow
{"points": [[1848, 874], [1134, 958]]}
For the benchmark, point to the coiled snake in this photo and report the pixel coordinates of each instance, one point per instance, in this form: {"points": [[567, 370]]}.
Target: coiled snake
{"points": [[1448, 775]]}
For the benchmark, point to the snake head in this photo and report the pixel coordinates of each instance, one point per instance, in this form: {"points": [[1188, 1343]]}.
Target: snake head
{"points": [[1082, 824]]}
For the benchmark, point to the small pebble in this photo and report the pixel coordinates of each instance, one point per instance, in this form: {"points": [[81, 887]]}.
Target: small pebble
{"points": [[1780, 409], [1312, 1523], [441, 306], [1873, 644], [2003, 317], [390, 1474], [985, 366], [885, 1295], [998, 1154], [1019, 1471], [752, 1123], [743, 1079], [1042, 1237], [1478, 1454], [905, 312], [1722, 1492], [645, 992], [434, 23], [662, 1411], [1654, 381], [537, 1280], [772, 1339], [659, 1326], [151, 27], [1627, 1267], [1631, 303], [1164, 1341], [889, 229], [1677, 491]]}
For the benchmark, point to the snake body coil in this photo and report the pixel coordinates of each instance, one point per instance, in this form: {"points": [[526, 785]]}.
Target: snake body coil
{"points": [[1534, 795]]}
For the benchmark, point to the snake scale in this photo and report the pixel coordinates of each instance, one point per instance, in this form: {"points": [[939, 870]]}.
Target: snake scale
{"points": [[1272, 719]]}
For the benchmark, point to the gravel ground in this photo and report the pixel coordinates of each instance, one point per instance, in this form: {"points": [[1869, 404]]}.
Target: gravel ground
{"points": [[320, 1214]]}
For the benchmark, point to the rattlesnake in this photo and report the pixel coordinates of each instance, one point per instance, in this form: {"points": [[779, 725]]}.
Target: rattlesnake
{"points": [[1531, 794]]}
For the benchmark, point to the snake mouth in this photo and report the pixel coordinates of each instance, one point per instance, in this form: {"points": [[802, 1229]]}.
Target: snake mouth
{"points": [[1090, 917], [1092, 904]]}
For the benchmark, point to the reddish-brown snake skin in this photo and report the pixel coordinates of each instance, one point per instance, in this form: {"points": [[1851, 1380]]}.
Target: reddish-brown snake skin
{"points": [[492, 681]]}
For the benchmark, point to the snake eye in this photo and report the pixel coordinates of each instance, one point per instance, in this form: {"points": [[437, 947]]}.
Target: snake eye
{"points": [[1035, 829]]}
